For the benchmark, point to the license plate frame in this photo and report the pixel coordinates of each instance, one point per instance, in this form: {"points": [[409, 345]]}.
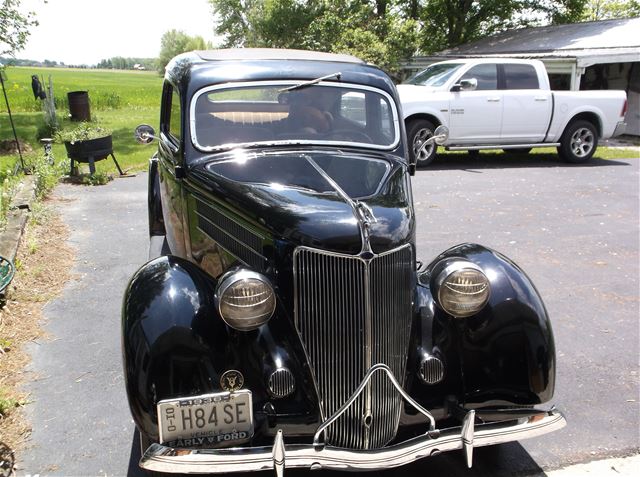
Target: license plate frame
{"points": [[222, 406]]}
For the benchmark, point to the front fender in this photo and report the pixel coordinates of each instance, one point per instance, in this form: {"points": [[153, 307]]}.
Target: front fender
{"points": [[506, 351], [175, 344]]}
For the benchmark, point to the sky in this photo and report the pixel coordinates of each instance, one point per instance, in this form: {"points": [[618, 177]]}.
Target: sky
{"points": [[87, 31]]}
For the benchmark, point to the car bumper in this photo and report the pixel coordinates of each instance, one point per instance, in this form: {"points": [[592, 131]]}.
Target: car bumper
{"points": [[620, 129], [166, 459]]}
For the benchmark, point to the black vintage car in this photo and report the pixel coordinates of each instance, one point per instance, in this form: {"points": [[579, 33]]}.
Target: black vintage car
{"points": [[286, 321]]}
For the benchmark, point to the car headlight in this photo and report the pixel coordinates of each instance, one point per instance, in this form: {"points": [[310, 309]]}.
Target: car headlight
{"points": [[245, 300], [462, 288]]}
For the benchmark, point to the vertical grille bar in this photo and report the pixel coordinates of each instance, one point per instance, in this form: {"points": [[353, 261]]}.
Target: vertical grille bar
{"points": [[344, 303]]}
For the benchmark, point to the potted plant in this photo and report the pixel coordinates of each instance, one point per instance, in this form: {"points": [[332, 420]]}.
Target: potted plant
{"points": [[87, 143]]}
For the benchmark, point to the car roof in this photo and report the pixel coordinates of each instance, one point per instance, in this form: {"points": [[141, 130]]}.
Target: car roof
{"points": [[274, 54]]}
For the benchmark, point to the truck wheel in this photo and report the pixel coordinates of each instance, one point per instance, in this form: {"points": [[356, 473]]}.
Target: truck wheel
{"points": [[578, 142], [418, 131]]}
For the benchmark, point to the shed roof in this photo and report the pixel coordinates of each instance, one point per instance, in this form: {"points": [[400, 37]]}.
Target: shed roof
{"points": [[588, 42]]}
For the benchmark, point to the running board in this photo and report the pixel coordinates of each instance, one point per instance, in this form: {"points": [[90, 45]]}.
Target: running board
{"points": [[502, 146]]}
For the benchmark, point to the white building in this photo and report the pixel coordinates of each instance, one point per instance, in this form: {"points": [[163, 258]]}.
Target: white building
{"points": [[592, 55]]}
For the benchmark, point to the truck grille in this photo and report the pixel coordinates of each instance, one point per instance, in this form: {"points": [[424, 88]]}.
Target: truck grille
{"points": [[352, 314]]}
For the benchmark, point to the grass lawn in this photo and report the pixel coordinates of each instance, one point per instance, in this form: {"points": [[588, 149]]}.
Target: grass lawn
{"points": [[120, 100]]}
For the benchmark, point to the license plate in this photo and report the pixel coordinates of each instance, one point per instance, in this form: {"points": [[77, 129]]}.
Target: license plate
{"points": [[206, 419]]}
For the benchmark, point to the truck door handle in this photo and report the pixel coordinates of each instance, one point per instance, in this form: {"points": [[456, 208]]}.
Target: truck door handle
{"points": [[493, 100], [540, 98]]}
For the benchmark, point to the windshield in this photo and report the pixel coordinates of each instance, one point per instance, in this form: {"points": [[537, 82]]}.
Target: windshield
{"points": [[266, 113], [435, 75]]}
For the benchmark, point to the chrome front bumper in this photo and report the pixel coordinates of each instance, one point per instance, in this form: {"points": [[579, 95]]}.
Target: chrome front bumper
{"points": [[160, 458], [165, 459]]}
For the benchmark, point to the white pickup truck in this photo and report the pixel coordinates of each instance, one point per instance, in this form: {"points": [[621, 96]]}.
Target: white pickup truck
{"points": [[505, 103]]}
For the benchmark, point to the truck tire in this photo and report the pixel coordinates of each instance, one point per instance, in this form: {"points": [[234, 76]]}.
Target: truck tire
{"points": [[578, 142], [419, 130]]}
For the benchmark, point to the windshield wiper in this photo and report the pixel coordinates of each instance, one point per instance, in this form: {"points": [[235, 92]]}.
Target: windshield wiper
{"points": [[311, 83]]}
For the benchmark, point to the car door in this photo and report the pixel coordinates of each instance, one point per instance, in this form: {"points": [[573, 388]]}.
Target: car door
{"points": [[170, 166], [527, 108], [476, 116]]}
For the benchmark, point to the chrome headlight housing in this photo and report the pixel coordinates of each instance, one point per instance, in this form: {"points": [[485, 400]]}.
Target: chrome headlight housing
{"points": [[245, 300], [461, 287]]}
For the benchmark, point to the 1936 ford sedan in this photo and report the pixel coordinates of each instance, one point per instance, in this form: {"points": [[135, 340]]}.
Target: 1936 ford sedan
{"points": [[286, 321]]}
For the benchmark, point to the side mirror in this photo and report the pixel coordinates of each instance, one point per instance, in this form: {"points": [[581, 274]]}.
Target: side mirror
{"points": [[469, 84], [145, 134], [440, 135]]}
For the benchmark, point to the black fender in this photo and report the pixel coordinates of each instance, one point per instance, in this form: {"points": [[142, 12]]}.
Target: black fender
{"points": [[156, 221], [505, 353], [175, 344]]}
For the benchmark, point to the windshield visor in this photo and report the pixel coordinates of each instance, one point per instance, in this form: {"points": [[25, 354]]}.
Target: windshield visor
{"points": [[267, 113]]}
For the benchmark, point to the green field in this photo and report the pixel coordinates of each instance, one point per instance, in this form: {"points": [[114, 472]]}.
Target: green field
{"points": [[120, 100]]}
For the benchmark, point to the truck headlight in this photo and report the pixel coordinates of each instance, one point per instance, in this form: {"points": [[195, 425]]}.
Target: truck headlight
{"points": [[462, 289], [245, 300]]}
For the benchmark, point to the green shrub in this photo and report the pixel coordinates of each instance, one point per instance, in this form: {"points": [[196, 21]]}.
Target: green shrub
{"points": [[7, 404], [83, 132]]}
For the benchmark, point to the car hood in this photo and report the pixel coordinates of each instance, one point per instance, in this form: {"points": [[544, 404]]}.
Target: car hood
{"points": [[290, 193]]}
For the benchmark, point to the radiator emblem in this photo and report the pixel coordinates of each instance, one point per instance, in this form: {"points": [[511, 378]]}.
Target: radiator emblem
{"points": [[231, 380]]}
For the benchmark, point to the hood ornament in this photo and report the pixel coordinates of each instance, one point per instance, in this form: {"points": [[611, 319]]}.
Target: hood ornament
{"points": [[361, 211]]}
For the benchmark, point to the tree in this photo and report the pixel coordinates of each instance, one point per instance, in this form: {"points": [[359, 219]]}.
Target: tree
{"points": [[610, 9], [370, 29], [384, 32], [175, 42], [14, 27]]}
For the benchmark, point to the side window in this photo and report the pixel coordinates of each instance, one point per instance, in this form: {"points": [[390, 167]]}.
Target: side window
{"points": [[386, 118], [175, 117], [520, 77], [485, 74], [352, 106]]}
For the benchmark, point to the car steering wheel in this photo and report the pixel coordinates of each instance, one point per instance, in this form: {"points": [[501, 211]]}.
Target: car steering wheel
{"points": [[348, 135]]}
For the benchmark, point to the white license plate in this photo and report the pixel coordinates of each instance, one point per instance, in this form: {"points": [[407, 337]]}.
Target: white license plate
{"points": [[206, 419]]}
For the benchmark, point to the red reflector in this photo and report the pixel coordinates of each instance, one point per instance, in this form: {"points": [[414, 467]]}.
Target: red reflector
{"points": [[624, 109]]}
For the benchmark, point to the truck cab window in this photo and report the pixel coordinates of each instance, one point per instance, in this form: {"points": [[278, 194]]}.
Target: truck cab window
{"points": [[486, 76], [520, 77]]}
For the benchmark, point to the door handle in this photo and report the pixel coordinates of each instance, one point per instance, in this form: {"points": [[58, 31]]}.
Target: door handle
{"points": [[540, 98], [493, 100]]}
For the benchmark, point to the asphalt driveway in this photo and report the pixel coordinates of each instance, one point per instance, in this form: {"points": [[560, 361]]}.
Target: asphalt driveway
{"points": [[573, 229]]}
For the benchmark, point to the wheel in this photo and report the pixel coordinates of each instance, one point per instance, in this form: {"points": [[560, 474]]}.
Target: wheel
{"points": [[418, 131], [518, 150], [578, 142]]}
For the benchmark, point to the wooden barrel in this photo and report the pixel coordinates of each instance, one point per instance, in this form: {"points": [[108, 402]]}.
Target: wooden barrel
{"points": [[79, 105]]}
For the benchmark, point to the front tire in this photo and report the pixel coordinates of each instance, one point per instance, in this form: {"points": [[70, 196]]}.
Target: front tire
{"points": [[418, 131], [578, 142]]}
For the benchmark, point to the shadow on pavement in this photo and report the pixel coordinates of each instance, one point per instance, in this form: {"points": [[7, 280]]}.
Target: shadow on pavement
{"points": [[494, 461], [512, 161]]}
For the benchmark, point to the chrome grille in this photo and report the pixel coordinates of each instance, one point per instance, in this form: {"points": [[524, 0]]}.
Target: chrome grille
{"points": [[431, 370], [230, 235], [281, 383], [352, 314]]}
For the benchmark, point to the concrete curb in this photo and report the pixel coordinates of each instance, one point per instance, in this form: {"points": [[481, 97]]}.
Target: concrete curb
{"points": [[17, 220], [618, 467]]}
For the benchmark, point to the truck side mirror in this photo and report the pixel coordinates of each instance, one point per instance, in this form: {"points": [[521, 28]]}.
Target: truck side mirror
{"points": [[469, 84]]}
